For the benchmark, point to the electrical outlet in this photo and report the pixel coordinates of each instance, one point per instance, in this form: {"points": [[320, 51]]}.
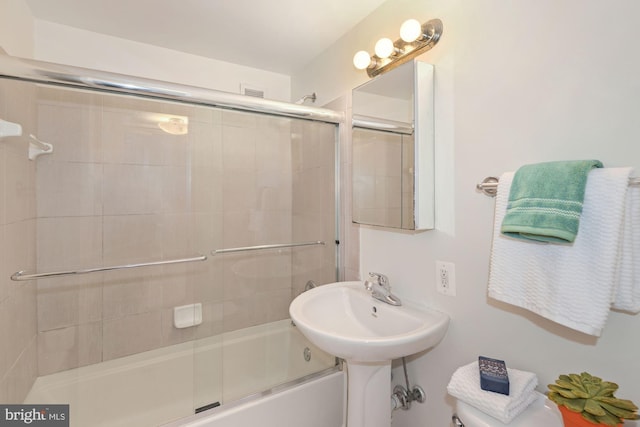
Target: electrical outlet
{"points": [[446, 278]]}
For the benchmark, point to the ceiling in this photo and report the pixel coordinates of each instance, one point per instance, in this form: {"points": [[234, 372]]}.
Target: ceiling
{"points": [[275, 35]]}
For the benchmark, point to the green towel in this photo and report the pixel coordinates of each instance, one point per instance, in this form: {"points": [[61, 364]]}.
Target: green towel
{"points": [[545, 201]]}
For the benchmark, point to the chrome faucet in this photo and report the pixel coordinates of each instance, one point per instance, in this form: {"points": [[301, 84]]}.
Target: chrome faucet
{"points": [[380, 289]]}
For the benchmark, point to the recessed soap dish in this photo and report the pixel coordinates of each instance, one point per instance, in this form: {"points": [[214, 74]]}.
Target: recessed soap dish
{"points": [[188, 315]]}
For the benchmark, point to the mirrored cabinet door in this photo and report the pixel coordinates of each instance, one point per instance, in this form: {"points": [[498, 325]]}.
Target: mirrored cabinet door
{"points": [[383, 178], [393, 159]]}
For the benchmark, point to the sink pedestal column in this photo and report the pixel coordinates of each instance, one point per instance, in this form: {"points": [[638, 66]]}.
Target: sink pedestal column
{"points": [[368, 394]]}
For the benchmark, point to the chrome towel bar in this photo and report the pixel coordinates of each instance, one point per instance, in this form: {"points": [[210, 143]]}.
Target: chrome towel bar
{"points": [[260, 247], [489, 185], [21, 275]]}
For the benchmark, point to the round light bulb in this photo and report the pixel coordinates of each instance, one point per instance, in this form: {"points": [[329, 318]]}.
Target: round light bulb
{"points": [[411, 30], [384, 48], [361, 60]]}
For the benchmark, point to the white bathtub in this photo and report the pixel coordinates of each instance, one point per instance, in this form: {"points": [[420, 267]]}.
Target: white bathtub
{"points": [[158, 386], [316, 403]]}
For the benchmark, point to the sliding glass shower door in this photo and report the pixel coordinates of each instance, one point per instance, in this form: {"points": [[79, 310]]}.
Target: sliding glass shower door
{"points": [[159, 245], [277, 222]]}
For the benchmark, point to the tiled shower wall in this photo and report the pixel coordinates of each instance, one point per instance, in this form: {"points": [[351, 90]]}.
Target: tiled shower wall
{"points": [[314, 202], [18, 334], [117, 190]]}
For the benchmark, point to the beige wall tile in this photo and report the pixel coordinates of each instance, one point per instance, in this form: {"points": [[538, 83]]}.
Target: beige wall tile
{"points": [[17, 250], [236, 231], [73, 127], [274, 190], [175, 189], [254, 310], [15, 386], [5, 282], [247, 274], [271, 227], [132, 189], [3, 176], [205, 143], [18, 327], [212, 320], [273, 146], [239, 149], [5, 329], [69, 188], [20, 106], [17, 245], [130, 292], [206, 280], [132, 334], [176, 236], [133, 137], [206, 232], [177, 151], [172, 335], [176, 288], [273, 306], [132, 238], [21, 315], [69, 242], [238, 314], [19, 183], [67, 348], [206, 190], [239, 190], [69, 300]]}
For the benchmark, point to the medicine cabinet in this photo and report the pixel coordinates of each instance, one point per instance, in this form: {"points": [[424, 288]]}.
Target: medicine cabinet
{"points": [[393, 149]]}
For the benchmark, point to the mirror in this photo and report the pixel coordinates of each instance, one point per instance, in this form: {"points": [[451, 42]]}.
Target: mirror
{"points": [[393, 149]]}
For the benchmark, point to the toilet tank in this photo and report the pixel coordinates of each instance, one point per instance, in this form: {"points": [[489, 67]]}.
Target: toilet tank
{"points": [[542, 412]]}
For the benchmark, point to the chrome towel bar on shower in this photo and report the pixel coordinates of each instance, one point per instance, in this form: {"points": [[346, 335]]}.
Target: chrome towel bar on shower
{"points": [[489, 185], [257, 248], [21, 275]]}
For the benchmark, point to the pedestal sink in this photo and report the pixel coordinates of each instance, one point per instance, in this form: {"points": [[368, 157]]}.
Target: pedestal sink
{"points": [[343, 319]]}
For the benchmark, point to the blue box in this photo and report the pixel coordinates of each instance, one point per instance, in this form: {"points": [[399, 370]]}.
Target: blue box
{"points": [[493, 375]]}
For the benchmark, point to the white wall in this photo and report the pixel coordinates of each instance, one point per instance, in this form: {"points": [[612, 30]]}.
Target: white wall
{"points": [[72, 46], [16, 28], [516, 83]]}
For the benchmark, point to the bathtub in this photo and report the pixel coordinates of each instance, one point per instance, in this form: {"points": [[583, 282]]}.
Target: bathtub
{"points": [[166, 384]]}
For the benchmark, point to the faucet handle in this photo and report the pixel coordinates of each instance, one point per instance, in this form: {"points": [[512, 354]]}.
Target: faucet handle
{"points": [[368, 284], [381, 279]]}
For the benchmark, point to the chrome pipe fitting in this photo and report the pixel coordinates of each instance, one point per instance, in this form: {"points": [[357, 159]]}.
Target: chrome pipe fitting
{"points": [[402, 397], [456, 421]]}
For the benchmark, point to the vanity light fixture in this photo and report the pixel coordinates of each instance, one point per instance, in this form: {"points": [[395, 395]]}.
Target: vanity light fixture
{"points": [[415, 39], [175, 126]]}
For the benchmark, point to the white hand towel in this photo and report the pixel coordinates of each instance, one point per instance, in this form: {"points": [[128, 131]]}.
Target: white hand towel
{"points": [[628, 292], [573, 285], [465, 385]]}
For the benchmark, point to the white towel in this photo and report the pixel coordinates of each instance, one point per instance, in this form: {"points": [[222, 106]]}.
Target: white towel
{"points": [[573, 285], [628, 292], [465, 385]]}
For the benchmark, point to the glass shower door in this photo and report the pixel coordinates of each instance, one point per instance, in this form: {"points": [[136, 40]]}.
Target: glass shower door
{"points": [[277, 217]]}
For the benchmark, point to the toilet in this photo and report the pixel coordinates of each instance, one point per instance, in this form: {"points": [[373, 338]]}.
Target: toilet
{"points": [[541, 413]]}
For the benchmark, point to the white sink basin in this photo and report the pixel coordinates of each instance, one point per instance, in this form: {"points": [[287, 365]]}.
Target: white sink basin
{"points": [[344, 320]]}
